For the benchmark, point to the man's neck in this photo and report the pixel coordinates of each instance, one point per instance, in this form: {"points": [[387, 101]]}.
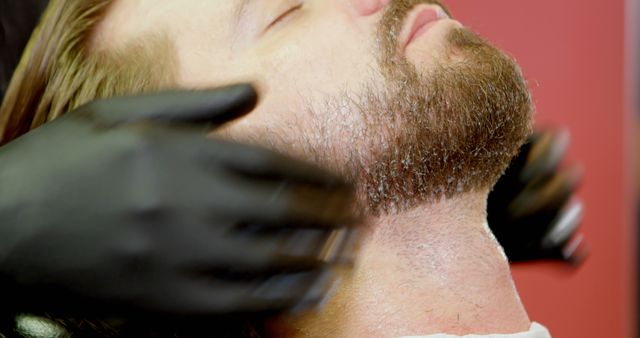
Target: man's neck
{"points": [[434, 269]]}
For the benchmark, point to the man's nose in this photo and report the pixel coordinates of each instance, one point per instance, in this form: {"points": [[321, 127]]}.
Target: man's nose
{"points": [[368, 7]]}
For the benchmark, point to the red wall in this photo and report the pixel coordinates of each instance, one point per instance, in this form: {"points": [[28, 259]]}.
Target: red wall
{"points": [[573, 54]]}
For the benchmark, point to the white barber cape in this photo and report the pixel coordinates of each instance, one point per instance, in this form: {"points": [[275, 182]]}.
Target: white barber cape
{"points": [[536, 331]]}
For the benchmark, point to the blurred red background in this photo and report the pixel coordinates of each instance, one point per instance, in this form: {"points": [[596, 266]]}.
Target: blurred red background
{"points": [[573, 54]]}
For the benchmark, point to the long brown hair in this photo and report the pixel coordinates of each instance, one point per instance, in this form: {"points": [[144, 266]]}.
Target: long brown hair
{"points": [[62, 68]]}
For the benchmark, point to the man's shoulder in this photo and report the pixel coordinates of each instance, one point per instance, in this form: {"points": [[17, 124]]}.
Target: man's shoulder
{"points": [[536, 331]]}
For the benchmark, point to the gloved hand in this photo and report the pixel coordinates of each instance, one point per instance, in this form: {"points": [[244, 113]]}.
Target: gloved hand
{"points": [[531, 211], [123, 207]]}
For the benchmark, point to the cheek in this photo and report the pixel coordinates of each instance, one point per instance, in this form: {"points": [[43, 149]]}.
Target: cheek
{"points": [[307, 82], [300, 70], [320, 62], [206, 62]]}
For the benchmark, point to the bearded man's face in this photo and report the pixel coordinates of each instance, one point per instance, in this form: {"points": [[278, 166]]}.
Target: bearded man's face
{"points": [[409, 112]]}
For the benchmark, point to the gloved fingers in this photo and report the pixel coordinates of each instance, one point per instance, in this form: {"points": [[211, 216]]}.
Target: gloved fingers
{"points": [[274, 294], [308, 292], [528, 208], [550, 194], [278, 204], [325, 207], [545, 154], [243, 258], [249, 255], [338, 248], [565, 225], [210, 107], [332, 246], [558, 241], [576, 250], [510, 183], [262, 164]]}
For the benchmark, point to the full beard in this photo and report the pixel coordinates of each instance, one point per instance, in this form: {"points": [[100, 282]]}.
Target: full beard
{"points": [[417, 136], [455, 128], [429, 135]]}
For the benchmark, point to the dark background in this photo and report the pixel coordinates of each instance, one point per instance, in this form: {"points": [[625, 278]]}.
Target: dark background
{"points": [[15, 30]]}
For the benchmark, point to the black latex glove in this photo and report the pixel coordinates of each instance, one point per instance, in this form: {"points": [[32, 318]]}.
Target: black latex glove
{"points": [[531, 211], [123, 207]]}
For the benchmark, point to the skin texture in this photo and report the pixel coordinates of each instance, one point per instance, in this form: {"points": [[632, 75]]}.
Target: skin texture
{"points": [[326, 87]]}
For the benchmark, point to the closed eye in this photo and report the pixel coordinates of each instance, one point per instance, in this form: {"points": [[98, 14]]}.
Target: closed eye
{"points": [[283, 16]]}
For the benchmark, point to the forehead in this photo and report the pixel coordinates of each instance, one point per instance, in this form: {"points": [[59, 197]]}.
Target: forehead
{"points": [[127, 20]]}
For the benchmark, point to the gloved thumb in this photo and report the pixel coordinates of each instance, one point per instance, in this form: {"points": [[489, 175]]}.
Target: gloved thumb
{"points": [[211, 107]]}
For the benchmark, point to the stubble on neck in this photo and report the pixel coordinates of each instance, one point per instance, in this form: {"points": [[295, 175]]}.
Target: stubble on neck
{"points": [[432, 269]]}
